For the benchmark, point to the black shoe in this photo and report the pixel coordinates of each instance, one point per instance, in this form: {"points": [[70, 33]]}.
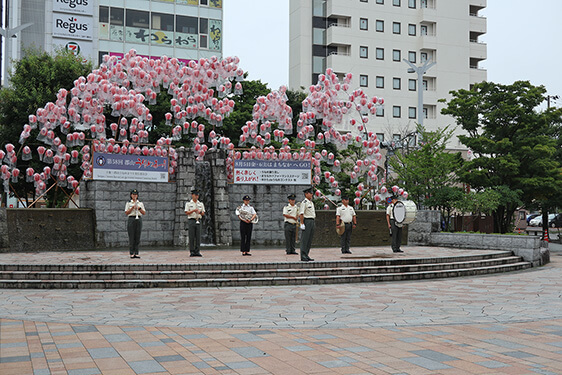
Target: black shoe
{"points": [[398, 251], [307, 260], [246, 254], [195, 255], [136, 256], [293, 253], [346, 252]]}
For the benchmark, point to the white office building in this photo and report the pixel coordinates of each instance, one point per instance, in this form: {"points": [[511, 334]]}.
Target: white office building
{"points": [[185, 29], [370, 38]]}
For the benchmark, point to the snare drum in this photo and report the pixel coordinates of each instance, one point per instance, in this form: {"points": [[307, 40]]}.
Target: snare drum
{"points": [[404, 212]]}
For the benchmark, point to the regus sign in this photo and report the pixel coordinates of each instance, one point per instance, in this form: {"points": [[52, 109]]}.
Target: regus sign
{"points": [[74, 6], [69, 26]]}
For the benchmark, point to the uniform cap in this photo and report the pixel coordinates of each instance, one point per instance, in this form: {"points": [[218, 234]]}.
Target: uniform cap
{"points": [[291, 196], [134, 191], [195, 191], [308, 190], [246, 198]]}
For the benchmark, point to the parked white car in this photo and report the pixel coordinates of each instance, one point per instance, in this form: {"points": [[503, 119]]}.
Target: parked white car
{"points": [[537, 221]]}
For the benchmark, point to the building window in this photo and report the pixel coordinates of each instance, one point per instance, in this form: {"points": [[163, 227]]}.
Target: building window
{"points": [[363, 24], [187, 25], [380, 137], [425, 113], [396, 3], [380, 53], [117, 16], [424, 85], [380, 82], [411, 112], [137, 18], [412, 29], [423, 29], [412, 84], [396, 27], [396, 111], [380, 111], [104, 14], [396, 83], [363, 80], [363, 52], [412, 4], [423, 57], [380, 26], [412, 56], [162, 21], [380, 1], [364, 1], [395, 55]]}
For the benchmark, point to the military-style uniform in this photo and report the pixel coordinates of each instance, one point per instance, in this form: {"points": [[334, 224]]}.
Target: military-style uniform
{"points": [[309, 214], [194, 225], [395, 229], [134, 224], [245, 228], [290, 226], [346, 214]]}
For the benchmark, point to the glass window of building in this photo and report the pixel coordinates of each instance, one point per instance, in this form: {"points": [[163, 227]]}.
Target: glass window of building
{"points": [[363, 80], [117, 16], [186, 25], [396, 111], [380, 26], [412, 56], [396, 3], [380, 137], [319, 8], [412, 4], [380, 53], [380, 1], [363, 24], [423, 57], [104, 14], [412, 84], [396, 83], [412, 29], [137, 18], [396, 27], [162, 21], [380, 111], [411, 112], [363, 52], [380, 82], [396, 55]]}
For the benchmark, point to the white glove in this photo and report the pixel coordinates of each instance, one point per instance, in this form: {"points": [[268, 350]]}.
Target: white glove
{"points": [[302, 227]]}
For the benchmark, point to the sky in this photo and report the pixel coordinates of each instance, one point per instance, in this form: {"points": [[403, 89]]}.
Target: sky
{"points": [[524, 39]]}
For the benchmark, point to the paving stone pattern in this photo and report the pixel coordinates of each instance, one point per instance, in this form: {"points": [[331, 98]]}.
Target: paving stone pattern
{"points": [[498, 324]]}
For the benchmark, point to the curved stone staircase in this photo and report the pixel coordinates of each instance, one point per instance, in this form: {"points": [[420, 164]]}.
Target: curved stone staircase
{"points": [[352, 270]]}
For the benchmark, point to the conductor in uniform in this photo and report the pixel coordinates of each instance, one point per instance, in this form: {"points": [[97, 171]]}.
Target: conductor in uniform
{"points": [[194, 209], [307, 215], [291, 215]]}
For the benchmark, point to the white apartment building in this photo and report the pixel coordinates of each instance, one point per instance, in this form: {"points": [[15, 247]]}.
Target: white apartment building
{"points": [[370, 38], [185, 29]]}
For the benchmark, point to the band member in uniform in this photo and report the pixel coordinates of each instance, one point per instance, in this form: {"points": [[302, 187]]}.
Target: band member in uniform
{"points": [[345, 215], [194, 209], [291, 213], [395, 230], [134, 209], [246, 214], [307, 215]]}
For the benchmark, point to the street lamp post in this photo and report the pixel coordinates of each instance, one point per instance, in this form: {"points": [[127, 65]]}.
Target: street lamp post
{"points": [[420, 70]]}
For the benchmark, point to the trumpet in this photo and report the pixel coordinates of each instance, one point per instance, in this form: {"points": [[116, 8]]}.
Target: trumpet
{"points": [[245, 215]]}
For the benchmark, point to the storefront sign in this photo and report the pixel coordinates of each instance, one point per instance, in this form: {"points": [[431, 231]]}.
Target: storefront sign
{"points": [[72, 26], [85, 7]]}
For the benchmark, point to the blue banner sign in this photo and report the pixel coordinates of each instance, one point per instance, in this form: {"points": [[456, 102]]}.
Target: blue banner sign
{"points": [[117, 167]]}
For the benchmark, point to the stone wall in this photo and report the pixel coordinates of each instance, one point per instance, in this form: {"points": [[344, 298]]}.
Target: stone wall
{"points": [[46, 229], [108, 199], [4, 242]]}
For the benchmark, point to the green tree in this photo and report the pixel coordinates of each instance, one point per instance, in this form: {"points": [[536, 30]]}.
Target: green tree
{"points": [[513, 145], [425, 171], [37, 78]]}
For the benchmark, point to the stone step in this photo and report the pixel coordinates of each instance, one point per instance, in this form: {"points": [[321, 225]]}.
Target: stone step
{"points": [[259, 281], [247, 273], [345, 261]]}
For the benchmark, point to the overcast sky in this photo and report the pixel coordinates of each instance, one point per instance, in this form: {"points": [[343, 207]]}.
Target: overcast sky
{"points": [[524, 39]]}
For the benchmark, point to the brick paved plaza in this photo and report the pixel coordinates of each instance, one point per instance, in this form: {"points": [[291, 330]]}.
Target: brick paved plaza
{"points": [[497, 324]]}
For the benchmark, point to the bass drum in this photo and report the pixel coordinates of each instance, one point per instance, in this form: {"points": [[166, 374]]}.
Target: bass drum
{"points": [[404, 212]]}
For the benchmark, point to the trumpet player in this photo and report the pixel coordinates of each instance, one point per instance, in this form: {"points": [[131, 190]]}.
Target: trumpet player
{"points": [[194, 209], [246, 214], [134, 209]]}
